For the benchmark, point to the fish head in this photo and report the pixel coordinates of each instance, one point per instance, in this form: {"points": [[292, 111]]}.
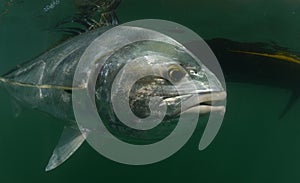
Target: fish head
{"points": [[149, 78], [178, 82]]}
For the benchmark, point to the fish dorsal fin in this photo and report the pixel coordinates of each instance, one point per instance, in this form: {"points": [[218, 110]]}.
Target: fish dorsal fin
{"points": [[105, 8], [90, 15], [69, 142]]}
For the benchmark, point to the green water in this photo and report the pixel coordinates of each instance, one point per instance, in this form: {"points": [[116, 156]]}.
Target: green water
{"points": [[253, 145]]}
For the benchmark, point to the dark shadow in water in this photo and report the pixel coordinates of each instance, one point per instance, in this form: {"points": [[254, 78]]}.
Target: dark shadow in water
{"points": [[259, 63]]}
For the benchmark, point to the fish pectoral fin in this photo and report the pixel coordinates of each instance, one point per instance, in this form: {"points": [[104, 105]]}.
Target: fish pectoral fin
{"points": [[16, 108], [69, 142]]}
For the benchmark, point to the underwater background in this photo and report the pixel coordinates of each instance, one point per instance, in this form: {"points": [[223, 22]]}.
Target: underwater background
{"points": [[253, 144]]}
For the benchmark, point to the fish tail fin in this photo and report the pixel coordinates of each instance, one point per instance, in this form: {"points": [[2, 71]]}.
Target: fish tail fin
{"points": [[292, 100], [70, 140], [16, 107]]}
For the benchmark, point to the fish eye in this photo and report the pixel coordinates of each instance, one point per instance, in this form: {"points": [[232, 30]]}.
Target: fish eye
{"points": [[176, 73], [192, 72]]}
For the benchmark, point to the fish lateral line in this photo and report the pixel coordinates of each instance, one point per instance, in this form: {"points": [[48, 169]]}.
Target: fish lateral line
{"points": [[278, 56], [39, 86]]}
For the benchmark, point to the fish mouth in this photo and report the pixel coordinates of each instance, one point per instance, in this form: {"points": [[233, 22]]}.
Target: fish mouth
{"points": [[205, 103], [201, 102]]}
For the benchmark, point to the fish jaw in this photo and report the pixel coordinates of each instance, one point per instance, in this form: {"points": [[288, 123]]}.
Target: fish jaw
{"points": [[200, 103]]}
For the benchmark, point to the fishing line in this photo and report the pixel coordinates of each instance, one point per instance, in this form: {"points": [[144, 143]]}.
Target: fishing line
{"points": [[39, 86]]}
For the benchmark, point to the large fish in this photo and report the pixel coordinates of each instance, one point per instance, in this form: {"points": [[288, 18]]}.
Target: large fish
{"points": [[46, 84]]}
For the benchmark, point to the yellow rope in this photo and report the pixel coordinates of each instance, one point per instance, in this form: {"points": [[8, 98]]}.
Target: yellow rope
{"points": [[279, 56]]}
